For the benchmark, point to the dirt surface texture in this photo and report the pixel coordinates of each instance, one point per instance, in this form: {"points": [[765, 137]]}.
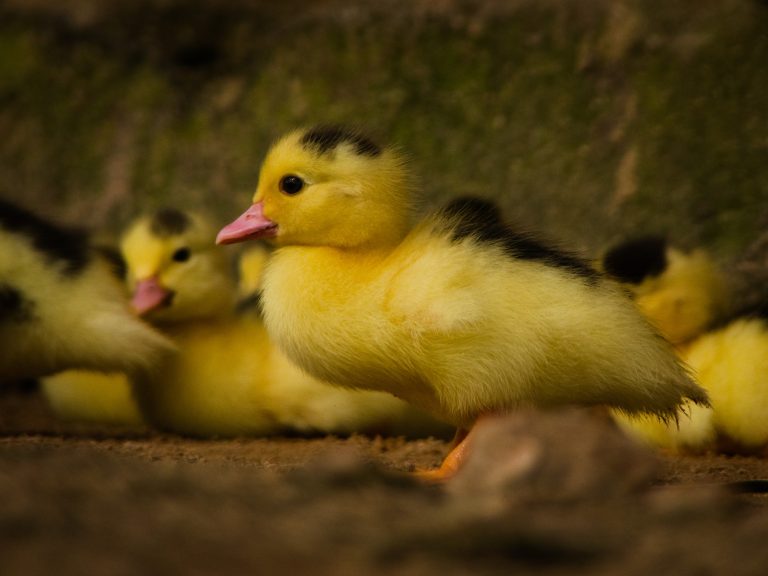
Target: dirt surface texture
{"points": [[547, 492]]}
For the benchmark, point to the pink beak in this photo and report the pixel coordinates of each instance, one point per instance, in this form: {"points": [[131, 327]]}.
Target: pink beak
{"points": [[250, 225], [148, 295]]}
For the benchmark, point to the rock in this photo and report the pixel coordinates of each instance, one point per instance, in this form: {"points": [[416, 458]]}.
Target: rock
{"points": [[557, 455]]}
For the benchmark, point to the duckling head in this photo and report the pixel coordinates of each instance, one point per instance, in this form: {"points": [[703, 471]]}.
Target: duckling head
{"points": [[327, 186], [681, 293], [174, 271]]}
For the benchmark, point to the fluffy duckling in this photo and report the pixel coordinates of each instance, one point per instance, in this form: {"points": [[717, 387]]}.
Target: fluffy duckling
{"points": [[61, 305], [683, 294], [228, 379], [460, 315]]}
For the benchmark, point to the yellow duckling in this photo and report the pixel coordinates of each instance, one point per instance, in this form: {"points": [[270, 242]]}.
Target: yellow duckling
{"points": [[62, 306], [683, 294], [461, 315], [228, 379]]}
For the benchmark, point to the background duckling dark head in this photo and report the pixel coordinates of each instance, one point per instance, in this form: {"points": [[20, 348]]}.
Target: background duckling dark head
{"points": [[681, 293]]}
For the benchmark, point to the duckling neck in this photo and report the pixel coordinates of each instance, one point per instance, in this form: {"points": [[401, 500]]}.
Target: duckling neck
{"points": [[335, 268]]}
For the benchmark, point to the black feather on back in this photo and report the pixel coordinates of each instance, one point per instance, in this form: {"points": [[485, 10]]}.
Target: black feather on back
{"points": [[325, 138], [481, 220], [57, 243], [637, 259]]}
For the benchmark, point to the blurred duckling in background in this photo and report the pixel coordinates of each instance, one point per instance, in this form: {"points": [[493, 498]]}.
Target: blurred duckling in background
{"points": [[250, 268], [62, 305], [228, 379], [460, 315], [684, 296], [681, 293], [251, 264], [97, 397]]}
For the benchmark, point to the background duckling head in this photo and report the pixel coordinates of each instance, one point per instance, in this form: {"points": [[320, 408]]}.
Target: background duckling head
{"points": [[681, 293], [175, 271], [327, 186]]}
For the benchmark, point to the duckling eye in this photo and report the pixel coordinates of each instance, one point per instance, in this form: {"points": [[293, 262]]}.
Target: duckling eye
{"points": [[291, 184], [181, 255]]}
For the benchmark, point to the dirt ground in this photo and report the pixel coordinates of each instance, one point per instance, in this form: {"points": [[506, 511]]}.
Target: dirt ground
{"points": [[554, 493]]}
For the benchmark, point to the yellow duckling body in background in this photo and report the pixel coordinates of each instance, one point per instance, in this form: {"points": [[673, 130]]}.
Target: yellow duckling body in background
{"points": [[228, 379], [98, 397], [460, 316], [62, 306], [684, 296], [251, 265]]}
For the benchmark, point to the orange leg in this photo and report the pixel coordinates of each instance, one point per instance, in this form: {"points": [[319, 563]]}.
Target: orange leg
{"points": [[451, 463]]}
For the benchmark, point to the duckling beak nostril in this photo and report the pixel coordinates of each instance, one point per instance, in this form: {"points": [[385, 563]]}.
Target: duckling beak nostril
{"points": [[149, 294], [250, 224]]}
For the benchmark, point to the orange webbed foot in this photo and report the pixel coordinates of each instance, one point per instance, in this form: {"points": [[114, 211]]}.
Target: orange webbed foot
{"points": [[451, 464]]}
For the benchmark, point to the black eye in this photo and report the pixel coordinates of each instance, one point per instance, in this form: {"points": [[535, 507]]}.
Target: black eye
{"points": [[181, 255], [291, 184]]}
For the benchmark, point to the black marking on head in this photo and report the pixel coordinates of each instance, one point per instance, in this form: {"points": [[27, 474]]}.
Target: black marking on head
{"points": [[326, 138], [635, 260], [14, 307], [169, 222], [57, 244], [481, 220]]}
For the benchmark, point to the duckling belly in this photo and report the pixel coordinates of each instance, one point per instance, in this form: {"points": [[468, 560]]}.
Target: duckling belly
{"points": [[346, 350]]}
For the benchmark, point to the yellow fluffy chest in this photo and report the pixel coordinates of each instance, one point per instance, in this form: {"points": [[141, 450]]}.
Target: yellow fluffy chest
{"points": [[328, 315]]}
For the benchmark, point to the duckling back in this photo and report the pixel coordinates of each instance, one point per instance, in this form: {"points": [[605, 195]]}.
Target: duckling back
{"points": [[568, 334]]}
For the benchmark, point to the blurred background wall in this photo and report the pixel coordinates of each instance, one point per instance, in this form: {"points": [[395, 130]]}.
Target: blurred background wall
{"points": [[588, 119]]}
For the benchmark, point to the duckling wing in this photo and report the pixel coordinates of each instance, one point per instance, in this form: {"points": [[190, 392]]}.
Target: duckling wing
{"points": [[438, 290]]}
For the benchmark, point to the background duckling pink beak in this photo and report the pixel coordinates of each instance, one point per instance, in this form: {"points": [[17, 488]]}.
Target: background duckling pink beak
{"points": [[250, 225], [149, 294]]}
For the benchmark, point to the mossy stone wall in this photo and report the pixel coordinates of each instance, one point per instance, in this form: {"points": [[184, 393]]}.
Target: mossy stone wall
{"points": [[587, 119]]}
